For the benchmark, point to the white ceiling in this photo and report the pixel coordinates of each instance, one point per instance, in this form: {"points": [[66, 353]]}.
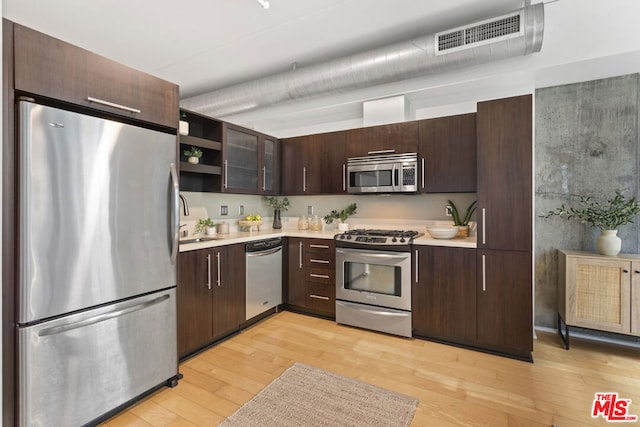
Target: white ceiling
{"points": [[204, 45]]}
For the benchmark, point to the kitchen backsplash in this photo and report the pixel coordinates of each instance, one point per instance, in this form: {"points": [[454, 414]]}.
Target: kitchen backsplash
{"points": [[410, 209]]}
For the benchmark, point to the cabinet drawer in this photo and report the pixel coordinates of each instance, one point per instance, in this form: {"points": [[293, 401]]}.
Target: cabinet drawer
{"points": [[320, 260], [54, 69], [323, 276], [321, 297], [322, 246]]}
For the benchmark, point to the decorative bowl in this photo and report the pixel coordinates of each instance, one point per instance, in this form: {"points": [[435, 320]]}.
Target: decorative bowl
{"points": [[250, 224], [444, 232]]}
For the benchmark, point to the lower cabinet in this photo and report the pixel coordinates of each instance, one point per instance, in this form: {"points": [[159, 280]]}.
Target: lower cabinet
{"points": [[504, 302], [311, 283], [444, 294], [481, 299], [600, 292], [211, 295]]}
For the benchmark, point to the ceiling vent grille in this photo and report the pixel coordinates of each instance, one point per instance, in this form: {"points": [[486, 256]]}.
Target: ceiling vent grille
{"points": [[479, 33]]}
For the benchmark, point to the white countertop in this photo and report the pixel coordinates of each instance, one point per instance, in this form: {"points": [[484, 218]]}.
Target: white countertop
{"points": [[248, 236]]}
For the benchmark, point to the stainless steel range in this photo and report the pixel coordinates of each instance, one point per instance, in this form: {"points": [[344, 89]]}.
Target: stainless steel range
{"points": [[373, 280]]}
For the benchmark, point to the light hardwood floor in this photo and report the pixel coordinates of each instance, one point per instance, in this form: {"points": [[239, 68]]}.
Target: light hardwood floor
{"points": [[456, 387]]}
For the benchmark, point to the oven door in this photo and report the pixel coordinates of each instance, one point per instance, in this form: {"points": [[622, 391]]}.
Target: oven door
{"points": [[374, 277]]}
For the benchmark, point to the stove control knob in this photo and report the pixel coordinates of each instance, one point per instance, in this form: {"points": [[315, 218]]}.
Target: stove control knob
{"points": [[349, 237], [342, 236], [402, 240], [394, 240]]}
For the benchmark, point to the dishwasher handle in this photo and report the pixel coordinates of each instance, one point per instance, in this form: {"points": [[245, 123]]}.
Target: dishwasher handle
{"points": [[264, 253]]}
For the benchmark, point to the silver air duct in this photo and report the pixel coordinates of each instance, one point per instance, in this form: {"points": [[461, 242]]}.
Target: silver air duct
{"points": [[515, 34]]}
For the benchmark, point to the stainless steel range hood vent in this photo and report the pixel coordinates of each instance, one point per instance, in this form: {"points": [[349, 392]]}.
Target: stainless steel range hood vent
{"points": [[516, 34], [501, 28]]}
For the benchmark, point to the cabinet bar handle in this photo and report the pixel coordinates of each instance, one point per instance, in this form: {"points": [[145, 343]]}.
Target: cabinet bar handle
{"points": [[304, 179], [423, 173], [319, 297], [484, 226], [484, 274], [264, 178], [225, 174], [209, 271], [416, 266], [319, 261], [625, 271], [300, 254], [319, 276], [344, 177], [319, 246], [113, 105], [381, 152], [218, 259]]}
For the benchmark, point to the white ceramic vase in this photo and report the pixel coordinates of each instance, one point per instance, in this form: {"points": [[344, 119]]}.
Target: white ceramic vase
{"points": [[609, 243], [193, 160], [343, 226], [183, 127], [210, 231]]}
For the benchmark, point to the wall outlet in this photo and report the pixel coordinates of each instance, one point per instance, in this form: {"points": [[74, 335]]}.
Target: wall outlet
{"points": [[224, 210], [447, 211], [241, 210], [309, 210]]}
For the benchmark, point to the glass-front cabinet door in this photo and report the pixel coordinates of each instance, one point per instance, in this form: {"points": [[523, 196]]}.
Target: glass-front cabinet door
{"points": [[251, 162]]}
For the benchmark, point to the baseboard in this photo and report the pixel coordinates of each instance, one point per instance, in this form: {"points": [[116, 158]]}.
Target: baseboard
{"points": [[578, 334]]}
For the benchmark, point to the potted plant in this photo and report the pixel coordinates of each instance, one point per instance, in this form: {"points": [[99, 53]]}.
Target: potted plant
{"points": [[606, 216], [342, 216], [278, 206], [462, 224], [193, 155], [206, 225]]}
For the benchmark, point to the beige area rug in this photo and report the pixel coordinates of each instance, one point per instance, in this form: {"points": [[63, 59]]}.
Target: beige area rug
{"points": [[308, 396]]}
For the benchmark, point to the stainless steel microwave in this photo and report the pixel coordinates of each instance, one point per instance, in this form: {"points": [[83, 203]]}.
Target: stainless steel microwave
{"points": [[389, 173]]}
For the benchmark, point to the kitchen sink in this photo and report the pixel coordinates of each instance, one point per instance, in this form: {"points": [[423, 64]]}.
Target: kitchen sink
{"points": [[198, 239]]}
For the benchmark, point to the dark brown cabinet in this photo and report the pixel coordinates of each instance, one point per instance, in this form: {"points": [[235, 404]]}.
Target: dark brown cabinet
{"points": [[211, 296], [51, 68], [311, 284], [504, 133], [314, 164], [205, 134], [251, 162], [505, 322], [393, 138], [444, 294], [447, 153]]}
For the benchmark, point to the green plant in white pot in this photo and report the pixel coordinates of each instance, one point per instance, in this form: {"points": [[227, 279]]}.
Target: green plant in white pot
{"points": [[607, 216], [342, 216], [193, 155], [206, 225]]}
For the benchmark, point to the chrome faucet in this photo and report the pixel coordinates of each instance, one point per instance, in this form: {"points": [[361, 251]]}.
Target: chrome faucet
{"points": [[186, 207]]}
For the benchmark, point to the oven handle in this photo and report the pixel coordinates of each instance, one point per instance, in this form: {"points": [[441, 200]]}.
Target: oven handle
{"points": [[363, 257]]}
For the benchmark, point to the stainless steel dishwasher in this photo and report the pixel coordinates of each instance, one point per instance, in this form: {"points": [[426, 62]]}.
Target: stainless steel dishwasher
{"points": [[264, 275]]}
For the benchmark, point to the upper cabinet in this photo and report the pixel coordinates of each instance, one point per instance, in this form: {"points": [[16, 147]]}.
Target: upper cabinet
{"points": [[384, 139], [205, 134], [251, 161], [504, 132], [51, 68], [316, 164], [447, 153]]}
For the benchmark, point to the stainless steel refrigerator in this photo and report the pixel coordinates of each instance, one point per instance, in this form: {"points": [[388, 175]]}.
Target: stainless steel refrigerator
{"points": [[97, 274]]}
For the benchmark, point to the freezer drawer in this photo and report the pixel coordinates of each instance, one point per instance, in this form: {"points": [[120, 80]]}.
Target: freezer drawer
{"points": [[382, 319], [75, 369]]}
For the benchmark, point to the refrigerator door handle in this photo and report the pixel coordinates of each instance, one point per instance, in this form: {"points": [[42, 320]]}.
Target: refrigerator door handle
{"points": [[175, 212], [102, 317]]}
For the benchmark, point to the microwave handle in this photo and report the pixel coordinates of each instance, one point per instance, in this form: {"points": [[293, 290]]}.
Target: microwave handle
{"points": [[373, 153], [394, 177]]}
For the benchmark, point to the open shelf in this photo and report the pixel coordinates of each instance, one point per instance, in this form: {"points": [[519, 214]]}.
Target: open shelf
{"points": [[200, 168]]}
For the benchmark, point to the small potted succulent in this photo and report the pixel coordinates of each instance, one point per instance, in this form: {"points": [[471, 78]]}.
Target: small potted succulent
{"points": [[342, 216], [193, 155], [462, 223], [206, 225]]}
